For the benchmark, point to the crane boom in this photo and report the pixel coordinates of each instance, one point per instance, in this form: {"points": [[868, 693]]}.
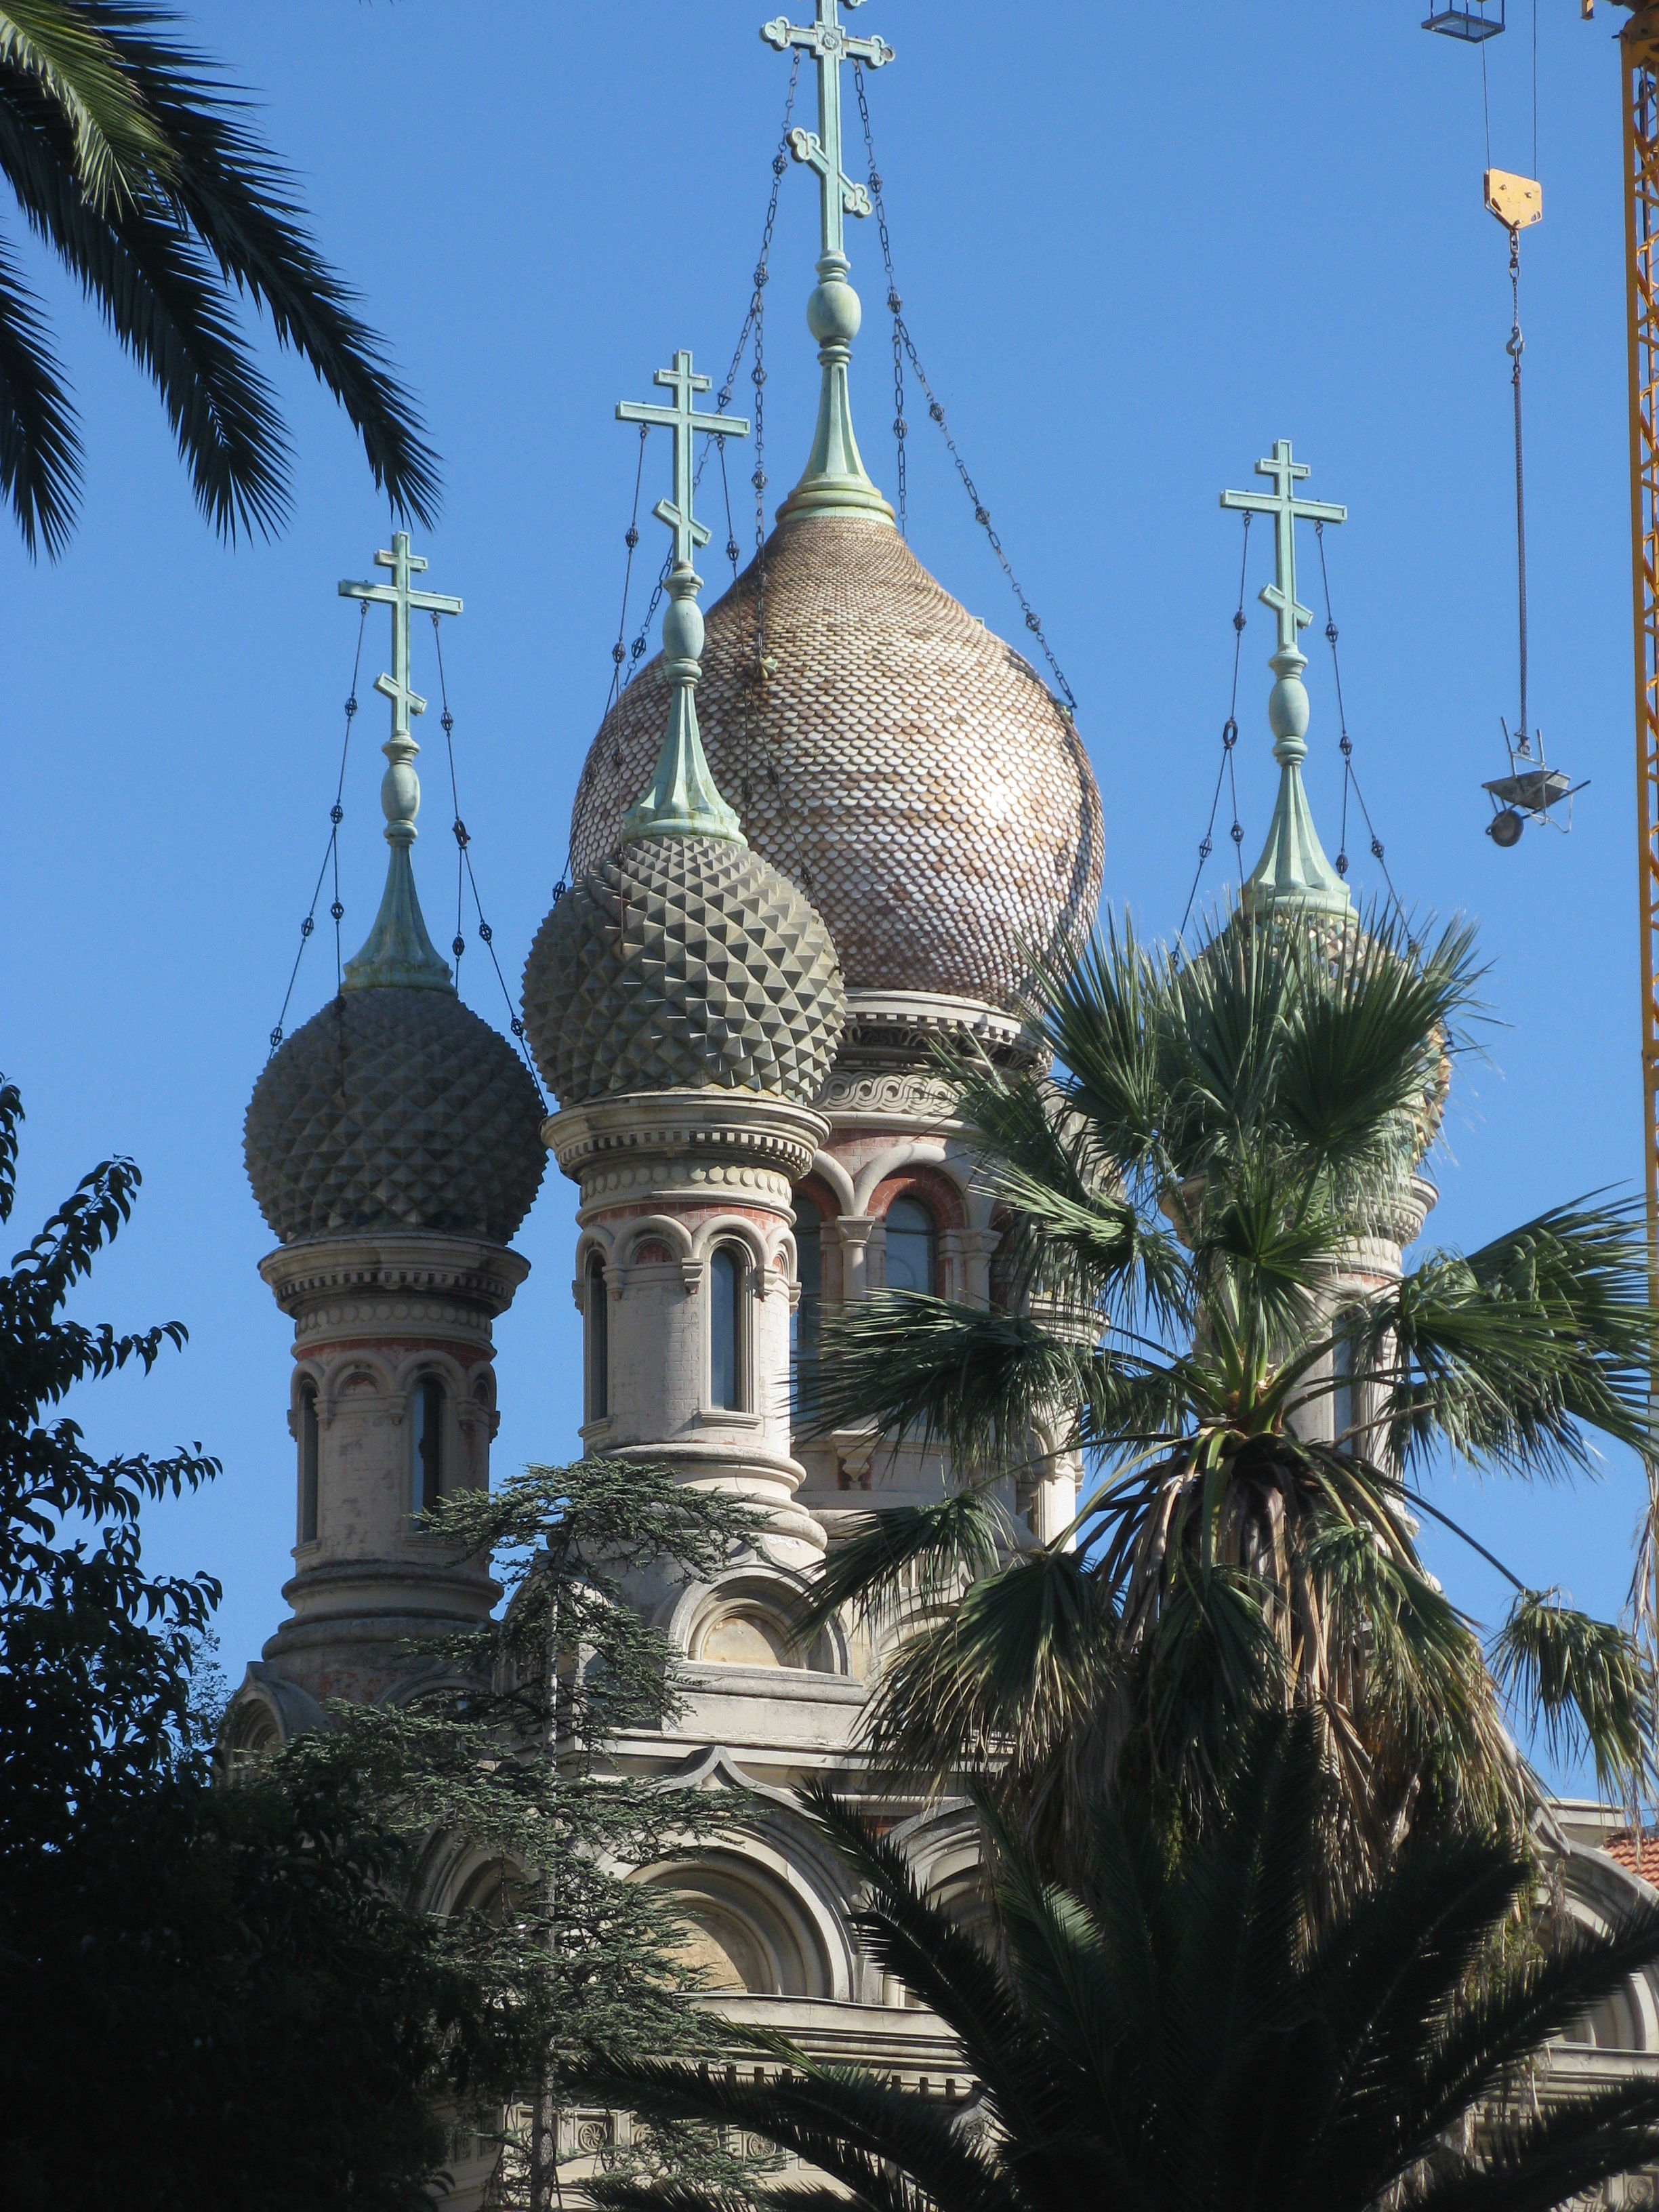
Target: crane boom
{"points": [[1639, 59]]}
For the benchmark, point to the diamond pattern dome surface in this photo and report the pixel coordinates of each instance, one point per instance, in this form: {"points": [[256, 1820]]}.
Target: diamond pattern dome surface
{"points": [[395, 1109], [901, 763], [680, 964]]}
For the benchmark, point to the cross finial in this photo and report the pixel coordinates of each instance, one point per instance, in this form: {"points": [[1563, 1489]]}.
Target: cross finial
{"points": [[398, 951], [1287, 510], [402, 600], [1293, 874], [683, 800], [835, 481], [830, 44], [683, 420]]}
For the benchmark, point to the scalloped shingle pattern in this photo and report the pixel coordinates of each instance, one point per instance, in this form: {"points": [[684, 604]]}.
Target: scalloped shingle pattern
{"points": [[682, 964], [395, 1109], [903, 765]]}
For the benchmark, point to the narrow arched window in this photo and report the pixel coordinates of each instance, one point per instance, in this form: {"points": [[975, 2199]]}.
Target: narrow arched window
{"points": [[728, 1274], [912, 1246], [309, 1451], [596, 1314], [426, 1444], [806, 1322]]}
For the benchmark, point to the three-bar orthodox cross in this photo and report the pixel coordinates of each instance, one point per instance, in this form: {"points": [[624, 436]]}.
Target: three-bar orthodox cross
{"points": [[403, 601], [831, 45], [1287, 511], [683, 420]]}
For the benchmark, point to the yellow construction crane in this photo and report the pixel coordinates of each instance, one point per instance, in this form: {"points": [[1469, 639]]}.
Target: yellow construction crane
{"points": [[1638, 45]]}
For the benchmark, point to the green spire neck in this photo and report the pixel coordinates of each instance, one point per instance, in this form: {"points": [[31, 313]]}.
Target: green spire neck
{"points": [[835, 481], [682, 800], [1293, 875], [398, 955]]}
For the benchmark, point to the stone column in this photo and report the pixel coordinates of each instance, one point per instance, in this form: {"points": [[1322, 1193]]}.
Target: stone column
{"points": [[374, 1316], [666, 1179]]}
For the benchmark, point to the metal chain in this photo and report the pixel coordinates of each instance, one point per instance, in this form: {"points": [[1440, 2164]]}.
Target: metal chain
{"points": [[753, 326], [1350, 781], [904, 344], [631, 538], [330, 852], [464, 864], [1225, 768]]}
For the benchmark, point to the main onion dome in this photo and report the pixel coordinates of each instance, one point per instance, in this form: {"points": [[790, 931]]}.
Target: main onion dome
{"points": [[901, 764], [395, 1108], [683, 960]]}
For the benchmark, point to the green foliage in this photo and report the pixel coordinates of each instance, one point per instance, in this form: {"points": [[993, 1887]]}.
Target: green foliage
{"points": [[1222, 1124], [129, 155], [510, 1767], [94, 1652], [209, 1997], [1177, 2031]]}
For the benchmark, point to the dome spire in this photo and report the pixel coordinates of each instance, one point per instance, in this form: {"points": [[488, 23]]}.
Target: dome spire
{"points": [[1292, 875], [682, 800], [835, 481], [398, 952]]}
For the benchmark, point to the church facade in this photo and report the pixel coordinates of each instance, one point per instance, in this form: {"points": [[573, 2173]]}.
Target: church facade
{"points": [[835, 820]]}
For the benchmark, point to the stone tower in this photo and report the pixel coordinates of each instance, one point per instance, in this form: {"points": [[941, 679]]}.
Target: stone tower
{"points": [[392, 1145]]}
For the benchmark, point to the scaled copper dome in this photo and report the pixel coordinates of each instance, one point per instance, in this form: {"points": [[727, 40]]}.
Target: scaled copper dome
{"points": [[678, 963], [395, 1109], [903, 765]]}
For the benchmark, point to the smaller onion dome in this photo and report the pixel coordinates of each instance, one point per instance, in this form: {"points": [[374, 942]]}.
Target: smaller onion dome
{"points": [[395, 1109], [682, 962]]}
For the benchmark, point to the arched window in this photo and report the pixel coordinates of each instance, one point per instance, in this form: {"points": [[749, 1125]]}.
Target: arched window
{"points": [[805, 1322], [426, 1444], [596, 1314], [912, 1246], [728, 1276], [308, 1462]]}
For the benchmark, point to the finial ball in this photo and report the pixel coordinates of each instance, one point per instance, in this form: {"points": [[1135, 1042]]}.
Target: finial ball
{"points": [[834, 313]]}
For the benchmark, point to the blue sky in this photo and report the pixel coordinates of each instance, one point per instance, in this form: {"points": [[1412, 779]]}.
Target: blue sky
{"points": [[1135, 246]]}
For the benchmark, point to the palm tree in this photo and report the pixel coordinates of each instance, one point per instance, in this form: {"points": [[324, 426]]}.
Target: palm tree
{"points": [[1178, 2035], [129, 155], [1185, 1192]]}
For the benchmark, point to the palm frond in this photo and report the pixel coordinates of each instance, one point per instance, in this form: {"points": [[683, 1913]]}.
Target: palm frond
{"points": [[1585, 1680], [40, 449], [979, 1383], [909, 1556], [120, 153]]}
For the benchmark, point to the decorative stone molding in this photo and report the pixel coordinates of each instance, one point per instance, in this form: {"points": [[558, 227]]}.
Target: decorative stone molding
{"points": [[686, 1143], [375, 1285]]}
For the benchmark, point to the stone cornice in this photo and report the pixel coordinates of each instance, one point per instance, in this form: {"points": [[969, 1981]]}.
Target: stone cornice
{"points": [[702, 1141], [377, 1284], [886, 1025]]}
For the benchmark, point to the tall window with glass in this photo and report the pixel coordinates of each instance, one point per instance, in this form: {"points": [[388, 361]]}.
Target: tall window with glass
{"points": [[912, 1246], [308, 1458], [805, 1323], [728, 1276], [426, 1444], [597, 1316]]}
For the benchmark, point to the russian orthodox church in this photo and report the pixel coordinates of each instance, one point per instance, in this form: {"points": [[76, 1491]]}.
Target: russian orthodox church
{"points": [[834, 822]]}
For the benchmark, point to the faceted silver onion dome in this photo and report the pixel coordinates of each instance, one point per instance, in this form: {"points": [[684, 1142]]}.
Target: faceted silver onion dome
{"points": [[683, 963], [901, 764], [395, 1109]]}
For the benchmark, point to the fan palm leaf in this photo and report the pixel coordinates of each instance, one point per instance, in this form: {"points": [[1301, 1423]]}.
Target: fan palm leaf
{"points": [[1182, 2030], [1222, 1129]]}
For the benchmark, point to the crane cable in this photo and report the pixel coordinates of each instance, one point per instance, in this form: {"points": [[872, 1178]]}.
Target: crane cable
{"points": [[1514, 348]]}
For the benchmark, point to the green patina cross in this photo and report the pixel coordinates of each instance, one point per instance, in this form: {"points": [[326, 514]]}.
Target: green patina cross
{"points": [[831, 45], [1287, 511], [683, 419], [403, 601]]}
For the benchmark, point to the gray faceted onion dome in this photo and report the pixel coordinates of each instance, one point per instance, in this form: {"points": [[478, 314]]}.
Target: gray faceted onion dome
{"points": [[684, 963], [395, 1109]]}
